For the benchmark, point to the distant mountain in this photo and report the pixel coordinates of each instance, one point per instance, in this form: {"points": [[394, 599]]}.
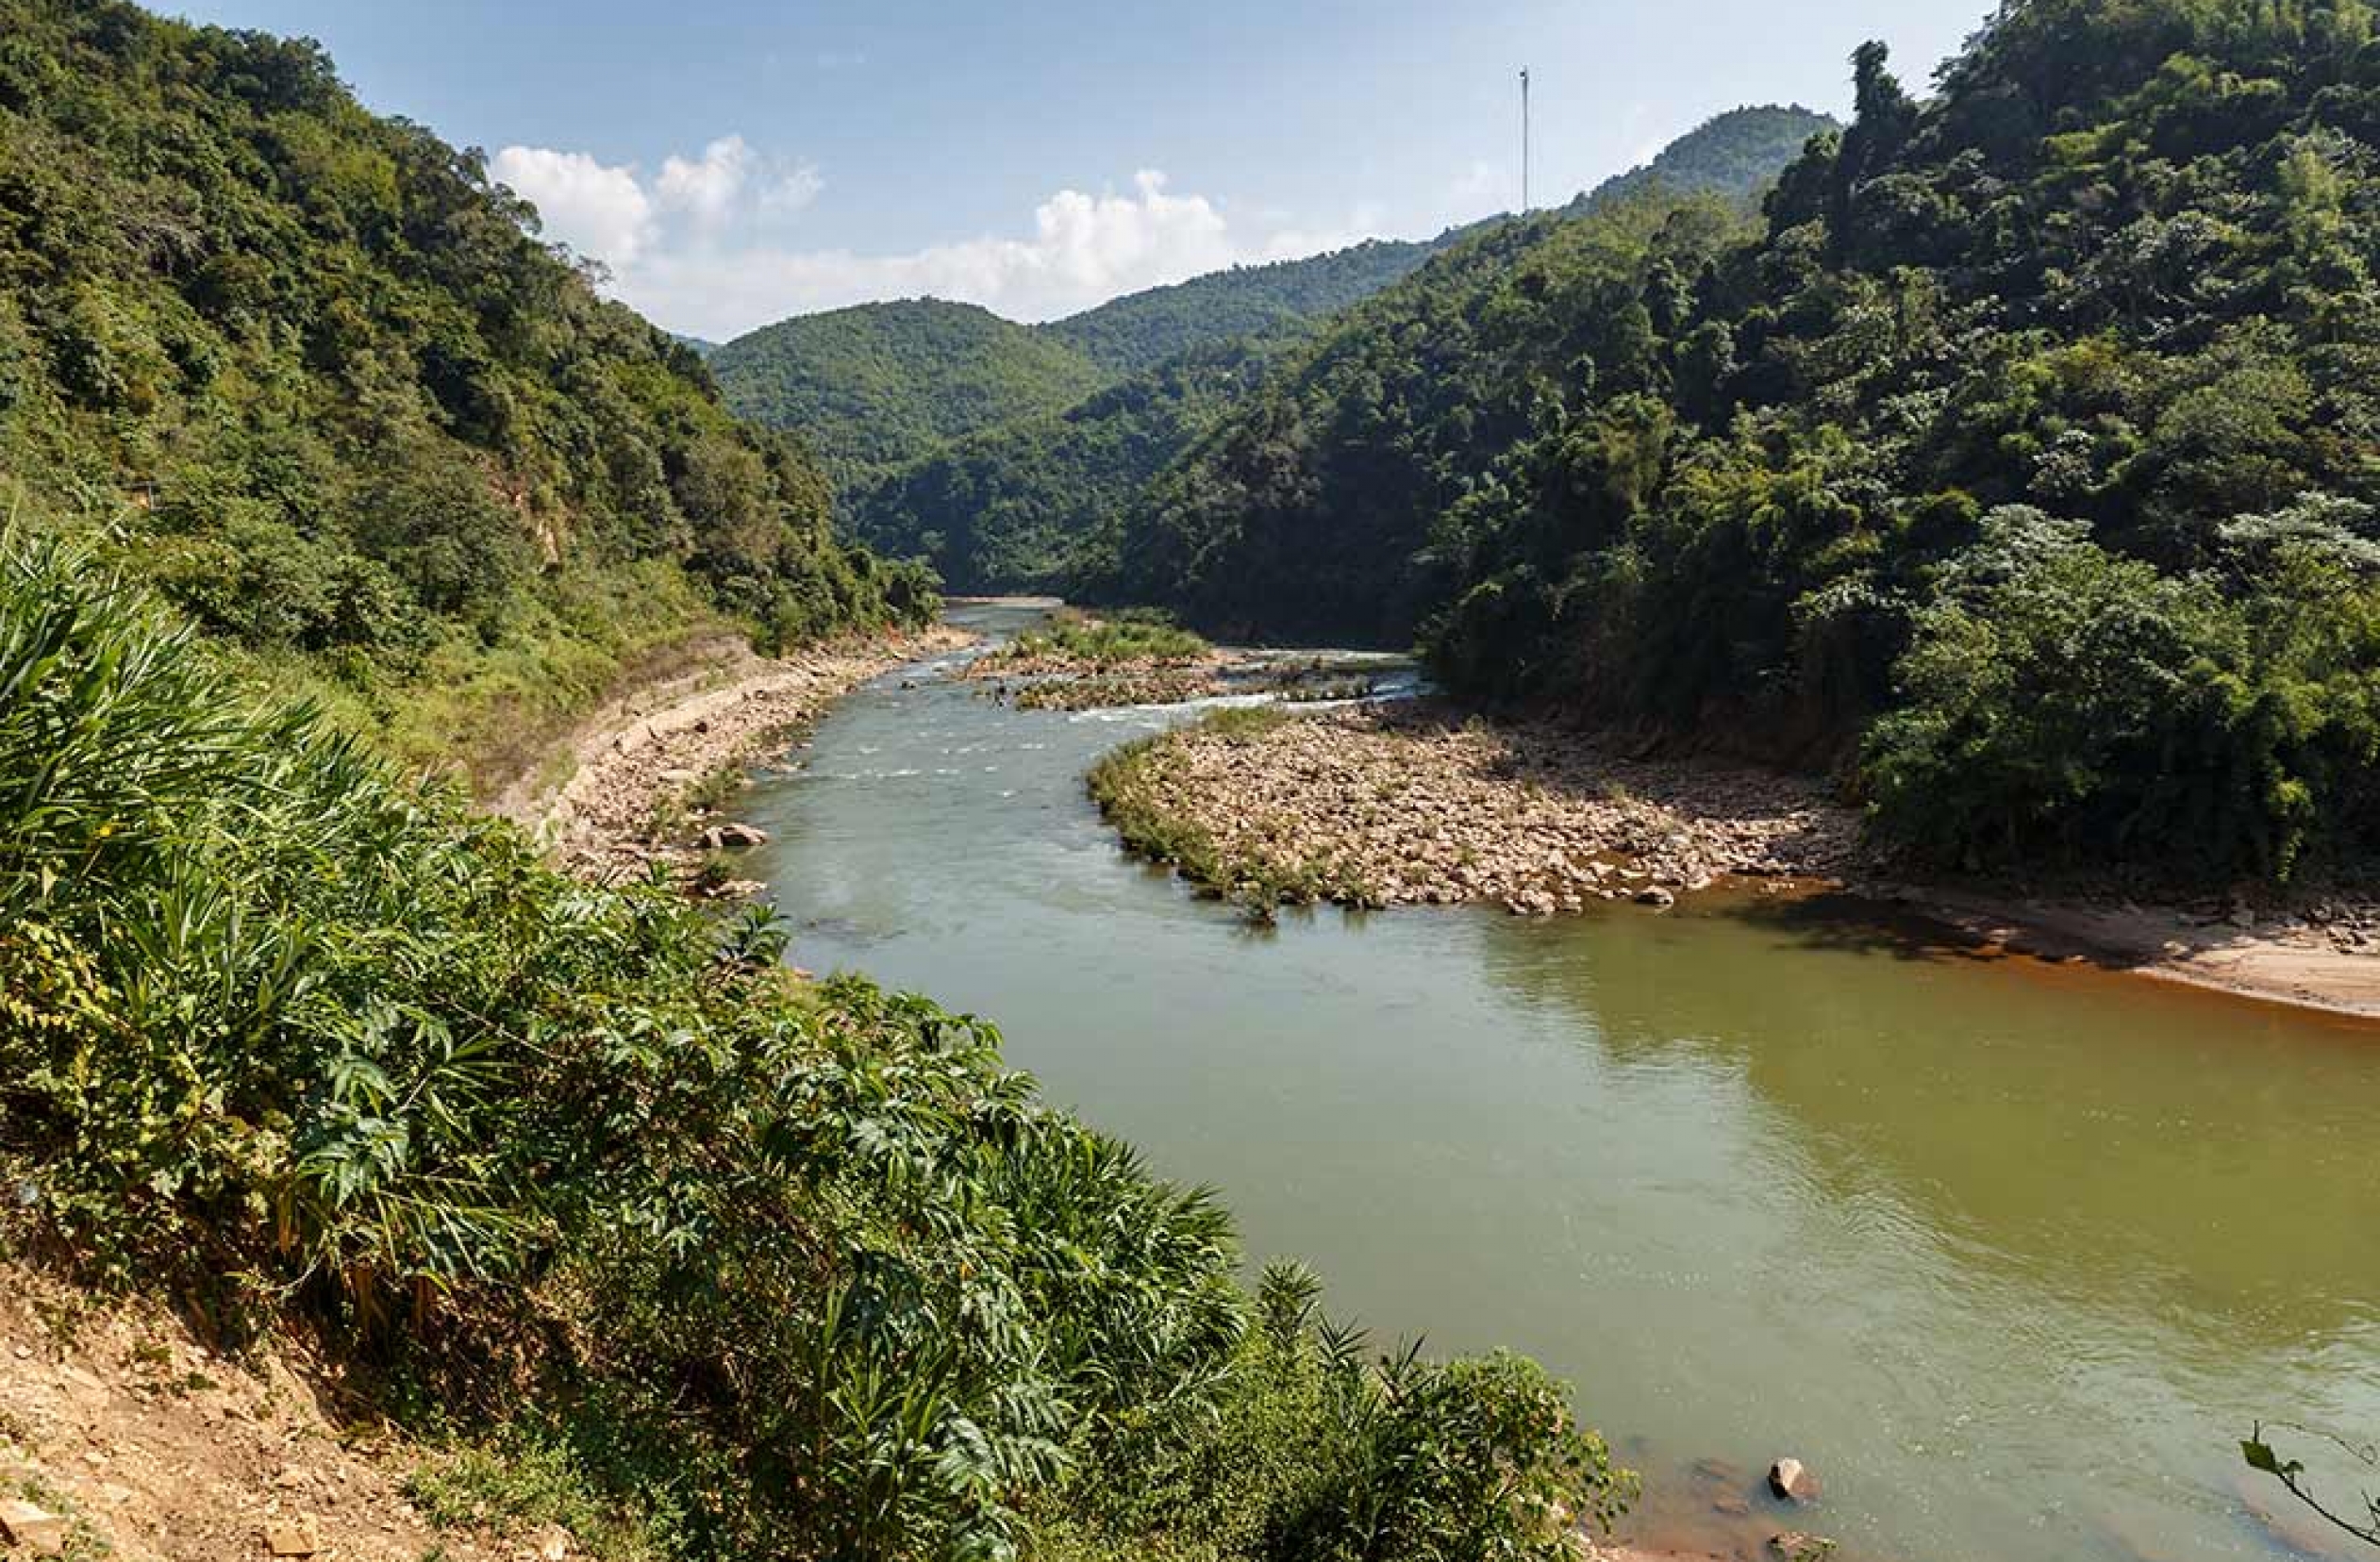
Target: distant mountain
{"points": [[1027, 506], [1008, 509], [879, 384], [1144, 329], [701, 348]]}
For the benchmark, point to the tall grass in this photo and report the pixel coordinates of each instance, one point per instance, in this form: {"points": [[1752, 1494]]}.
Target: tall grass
{"points": [[778, 1270]]}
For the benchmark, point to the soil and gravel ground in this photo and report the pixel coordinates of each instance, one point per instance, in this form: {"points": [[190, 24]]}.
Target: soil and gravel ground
{"points": [[151, 1447]]}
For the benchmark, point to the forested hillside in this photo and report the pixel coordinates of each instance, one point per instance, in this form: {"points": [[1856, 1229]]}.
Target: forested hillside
{"points": [[1142, 330], [1732, 154], [1012, 509], [1031, 506], [2020, 459], [310, 375], [880, 384]]}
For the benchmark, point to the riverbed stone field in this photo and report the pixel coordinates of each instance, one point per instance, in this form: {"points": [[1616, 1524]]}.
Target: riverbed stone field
{"points": [[1413, 805]]}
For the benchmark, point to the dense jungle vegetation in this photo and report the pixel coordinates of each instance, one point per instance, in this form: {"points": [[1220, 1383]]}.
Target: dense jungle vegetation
{"points": [[768, 1268], [881, 387], [305, 370], [2019, 459], [1140, 331], [1029, 506]]}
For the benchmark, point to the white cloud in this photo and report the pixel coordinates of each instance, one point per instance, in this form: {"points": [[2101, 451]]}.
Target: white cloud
{"points": [[598, 210], [698, 246], [792, 189], [708, 186]]}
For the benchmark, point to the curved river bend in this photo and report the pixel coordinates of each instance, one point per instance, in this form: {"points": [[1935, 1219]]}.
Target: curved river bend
{"points": [[2010, 1255]]}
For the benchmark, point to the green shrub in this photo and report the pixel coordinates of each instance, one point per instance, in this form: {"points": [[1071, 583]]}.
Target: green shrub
{"points": [[1104, 641]]}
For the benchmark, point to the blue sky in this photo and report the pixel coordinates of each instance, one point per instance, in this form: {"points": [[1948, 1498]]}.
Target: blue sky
{"points": [[735, 162]]}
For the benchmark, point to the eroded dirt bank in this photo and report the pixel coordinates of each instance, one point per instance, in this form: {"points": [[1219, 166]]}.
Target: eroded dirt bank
{"points": [[137, 1441]]}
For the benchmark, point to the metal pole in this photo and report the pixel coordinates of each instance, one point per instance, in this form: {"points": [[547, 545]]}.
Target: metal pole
{"points": [[1524, 142]]}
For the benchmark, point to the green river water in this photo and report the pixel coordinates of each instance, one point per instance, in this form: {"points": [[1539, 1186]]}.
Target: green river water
{"points": [[2011, 1256]]}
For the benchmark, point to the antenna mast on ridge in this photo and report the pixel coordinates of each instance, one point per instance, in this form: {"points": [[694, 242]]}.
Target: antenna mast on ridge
{"points": [[1524, 140]]}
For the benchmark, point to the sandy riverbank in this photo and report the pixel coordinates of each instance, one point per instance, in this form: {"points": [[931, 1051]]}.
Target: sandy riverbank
{"points": [[615, 796], [1412, 805]]}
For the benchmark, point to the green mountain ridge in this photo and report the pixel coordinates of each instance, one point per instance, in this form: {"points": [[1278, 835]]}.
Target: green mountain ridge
{"points": [[1142, 330], [1028, 505], [1013, 508], [1735, 153], [877, 384], [874, 387]]}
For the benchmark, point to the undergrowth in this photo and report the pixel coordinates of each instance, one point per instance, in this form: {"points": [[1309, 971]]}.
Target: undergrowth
{"points": [[1117, 639]]}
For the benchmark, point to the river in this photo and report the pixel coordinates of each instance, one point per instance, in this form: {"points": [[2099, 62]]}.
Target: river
{"points": [[2009, 1255]]}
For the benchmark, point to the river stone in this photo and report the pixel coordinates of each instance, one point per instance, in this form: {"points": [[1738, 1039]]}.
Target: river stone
{"points": [[1789, 1480], [1793, 1546], [23, 1524]]}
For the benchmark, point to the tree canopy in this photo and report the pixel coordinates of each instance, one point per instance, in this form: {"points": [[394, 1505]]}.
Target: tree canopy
{"points": [[878, 384]]}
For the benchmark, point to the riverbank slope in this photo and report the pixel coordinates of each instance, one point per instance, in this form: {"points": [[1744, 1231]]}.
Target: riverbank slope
{"points": [[618, 791]]}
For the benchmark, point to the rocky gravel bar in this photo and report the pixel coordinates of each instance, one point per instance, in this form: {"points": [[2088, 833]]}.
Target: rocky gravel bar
{"points": [[1411, 805]]}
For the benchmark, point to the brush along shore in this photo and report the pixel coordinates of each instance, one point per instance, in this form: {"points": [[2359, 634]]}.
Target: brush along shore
{"points": [[1081, 662]]}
